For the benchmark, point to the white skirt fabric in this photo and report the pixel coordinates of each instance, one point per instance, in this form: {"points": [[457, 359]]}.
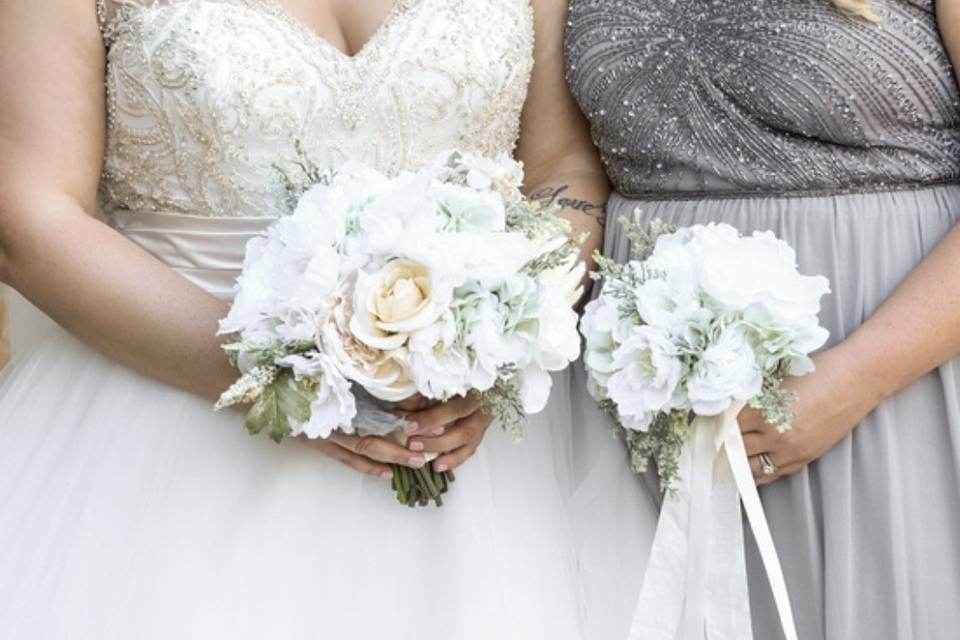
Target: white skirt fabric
{"points": [[26, 325], [129, 509]]}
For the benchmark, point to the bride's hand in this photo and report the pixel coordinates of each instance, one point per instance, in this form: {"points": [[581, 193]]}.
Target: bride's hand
{"points": [[371, 455], [830, 402], [462, 426]]}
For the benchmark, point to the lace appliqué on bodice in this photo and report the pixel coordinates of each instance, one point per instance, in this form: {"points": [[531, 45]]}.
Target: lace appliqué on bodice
{"points": [[206, 97], [769, 96]]}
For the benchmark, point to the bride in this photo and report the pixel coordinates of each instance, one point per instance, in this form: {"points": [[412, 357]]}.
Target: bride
{"points": [[127, 507]]}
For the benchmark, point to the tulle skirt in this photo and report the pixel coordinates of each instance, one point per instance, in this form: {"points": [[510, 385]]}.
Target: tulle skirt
{"points": [[129, 509], [23, 325]]}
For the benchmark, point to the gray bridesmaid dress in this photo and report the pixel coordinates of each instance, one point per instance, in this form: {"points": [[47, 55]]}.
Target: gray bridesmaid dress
{"points": [[843, 137]]}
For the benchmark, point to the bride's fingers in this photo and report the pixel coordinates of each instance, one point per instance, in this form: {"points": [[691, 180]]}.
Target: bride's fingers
{"points": [[454, 438], [442, 415], [474, 428], [413, 403], [354, 461], [379, 449]]}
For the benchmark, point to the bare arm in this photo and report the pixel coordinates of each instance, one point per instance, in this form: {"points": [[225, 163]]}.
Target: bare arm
{"points": [[915, 330], [93, 281], [918, 327], [561, 162]]}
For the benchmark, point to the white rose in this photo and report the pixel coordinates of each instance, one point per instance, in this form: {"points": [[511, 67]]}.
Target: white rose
{"points": [[645, 378], [726, 371], [399, 299]]}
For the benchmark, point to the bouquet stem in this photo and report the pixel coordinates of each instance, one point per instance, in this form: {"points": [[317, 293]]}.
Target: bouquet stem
{"points": [[420, 487]]}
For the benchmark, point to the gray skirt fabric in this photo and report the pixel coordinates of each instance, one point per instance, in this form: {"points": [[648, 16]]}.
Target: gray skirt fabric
{"points": [[869, 535]]}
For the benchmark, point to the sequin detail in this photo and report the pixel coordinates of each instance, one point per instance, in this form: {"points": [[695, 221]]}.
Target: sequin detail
{"points": [[205, 96], [771, 96]]}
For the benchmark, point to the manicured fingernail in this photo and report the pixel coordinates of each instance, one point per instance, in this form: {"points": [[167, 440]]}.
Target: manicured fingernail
{"points": [[440, 468], [438, 431], [416, 462], [386, 475], [411, 428], [416, 445]]}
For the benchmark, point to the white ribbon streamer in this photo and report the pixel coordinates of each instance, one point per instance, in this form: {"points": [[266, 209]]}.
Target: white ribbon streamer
{"points": [[695, 587]]}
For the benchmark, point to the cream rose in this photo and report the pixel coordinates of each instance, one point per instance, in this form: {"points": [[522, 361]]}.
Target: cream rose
{"points": [[385, 374], [394, 302]]}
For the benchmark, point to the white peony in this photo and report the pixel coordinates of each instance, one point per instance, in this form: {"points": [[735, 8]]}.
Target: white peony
{"points": [[757, 270], [402, 215], [441, 365], [535, 384], [333, 407], [399, 299], [501, 327], [646, 372], [670, 305], [726, 371], [789, 342], [558, 341], [600, 317]]}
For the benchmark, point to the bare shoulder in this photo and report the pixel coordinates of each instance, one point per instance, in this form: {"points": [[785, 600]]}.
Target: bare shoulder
{"points": [[52, 106], [549, 11]]}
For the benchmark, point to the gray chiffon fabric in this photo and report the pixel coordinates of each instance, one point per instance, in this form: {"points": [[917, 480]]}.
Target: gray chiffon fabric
{"points": [[843, 137]]}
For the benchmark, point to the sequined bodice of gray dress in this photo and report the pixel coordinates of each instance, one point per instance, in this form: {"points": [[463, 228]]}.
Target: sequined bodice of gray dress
{"points": [[843, 137]]}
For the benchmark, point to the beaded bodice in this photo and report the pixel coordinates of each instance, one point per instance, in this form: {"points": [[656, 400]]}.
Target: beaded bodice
{"points": [[206, 97], [771, 96]]}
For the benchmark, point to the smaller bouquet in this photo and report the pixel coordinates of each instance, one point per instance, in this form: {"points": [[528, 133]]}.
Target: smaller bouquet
{"points": [[701, 319], [701, 323], [442, 282]]}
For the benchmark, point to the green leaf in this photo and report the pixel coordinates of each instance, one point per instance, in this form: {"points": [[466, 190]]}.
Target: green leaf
{"points": [[281, 401]]}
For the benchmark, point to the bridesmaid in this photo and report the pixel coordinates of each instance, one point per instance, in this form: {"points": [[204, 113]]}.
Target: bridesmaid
{"points": [[837, 126]]}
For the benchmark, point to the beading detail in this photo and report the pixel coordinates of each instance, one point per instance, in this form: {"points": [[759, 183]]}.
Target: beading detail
{"points": [[205, 97], [766, 96]]}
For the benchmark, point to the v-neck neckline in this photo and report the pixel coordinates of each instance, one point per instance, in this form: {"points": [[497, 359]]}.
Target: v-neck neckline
{"points": [[371, 43]]}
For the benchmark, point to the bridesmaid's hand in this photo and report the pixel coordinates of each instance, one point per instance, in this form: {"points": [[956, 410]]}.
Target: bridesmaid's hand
{"points": [[831, 401], [460, 425]]}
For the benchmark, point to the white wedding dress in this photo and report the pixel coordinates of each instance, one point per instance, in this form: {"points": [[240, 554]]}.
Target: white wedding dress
{"points": [[129, 509]]}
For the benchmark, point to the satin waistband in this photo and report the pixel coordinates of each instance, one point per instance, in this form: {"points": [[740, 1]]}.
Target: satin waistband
{"points": [[206, 251]]}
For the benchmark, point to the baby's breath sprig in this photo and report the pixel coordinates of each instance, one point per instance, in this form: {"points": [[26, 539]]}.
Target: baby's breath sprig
{"points": [[644, 241], [660, 444], [503, 403], [299, 175]]}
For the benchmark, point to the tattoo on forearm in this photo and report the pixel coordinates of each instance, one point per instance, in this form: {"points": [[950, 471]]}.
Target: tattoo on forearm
{"points": [[554, 195]]}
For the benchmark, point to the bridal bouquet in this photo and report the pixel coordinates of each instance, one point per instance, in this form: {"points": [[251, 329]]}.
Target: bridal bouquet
{"points": [[442, 282], [701, 323]]}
